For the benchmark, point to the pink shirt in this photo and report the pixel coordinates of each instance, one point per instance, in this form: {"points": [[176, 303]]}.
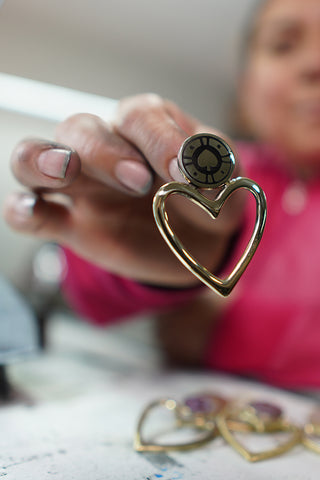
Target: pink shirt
{"points": [[271, 326]]}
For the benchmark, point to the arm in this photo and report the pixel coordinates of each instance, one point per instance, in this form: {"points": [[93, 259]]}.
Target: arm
{"points": [[107, 176], [103, 297]]}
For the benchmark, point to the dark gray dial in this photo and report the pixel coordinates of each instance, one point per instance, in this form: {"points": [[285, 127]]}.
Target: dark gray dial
{"points": [[206, 160]]}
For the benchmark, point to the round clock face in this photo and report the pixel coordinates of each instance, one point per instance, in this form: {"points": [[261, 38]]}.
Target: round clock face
{"points": [[206, 160]]}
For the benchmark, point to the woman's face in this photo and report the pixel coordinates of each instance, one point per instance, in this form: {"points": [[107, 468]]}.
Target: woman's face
{"points": [[280, 91]]}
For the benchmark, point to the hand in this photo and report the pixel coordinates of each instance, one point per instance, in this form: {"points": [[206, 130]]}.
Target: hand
{"points": [[92, 192]]}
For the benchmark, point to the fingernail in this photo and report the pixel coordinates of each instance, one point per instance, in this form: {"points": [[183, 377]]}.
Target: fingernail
{"points": [[175, 171], [54, 162], [134, 175], [21, 205]]}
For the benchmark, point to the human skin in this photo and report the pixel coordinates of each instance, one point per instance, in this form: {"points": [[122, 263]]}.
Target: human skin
{"points": [[280, 84], [112, 174]]}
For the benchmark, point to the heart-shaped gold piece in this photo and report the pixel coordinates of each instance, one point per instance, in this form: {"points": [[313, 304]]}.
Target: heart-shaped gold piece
{"points": [[203, 431], [207, 161], [257, 418], [213, 207]]}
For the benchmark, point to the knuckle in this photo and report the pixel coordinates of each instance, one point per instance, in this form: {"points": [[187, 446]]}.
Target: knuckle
{"points": [[138, 109], [141, 100], [79, 123], [85, 133], [145, 121]]}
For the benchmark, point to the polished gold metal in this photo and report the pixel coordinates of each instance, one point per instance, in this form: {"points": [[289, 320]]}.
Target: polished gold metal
{"points": [[218, 168], [203, 424], [311, 433], [245, 419]]}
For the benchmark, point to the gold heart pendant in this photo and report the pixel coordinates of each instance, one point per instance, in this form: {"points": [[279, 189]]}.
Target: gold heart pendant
{"points": [[196, 415], [207, 162], [257, 418]]}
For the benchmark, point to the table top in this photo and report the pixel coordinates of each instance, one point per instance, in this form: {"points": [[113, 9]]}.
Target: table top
{"points": [[80, 400]]}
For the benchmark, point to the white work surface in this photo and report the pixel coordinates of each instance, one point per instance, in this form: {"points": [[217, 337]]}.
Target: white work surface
{"points": [[82, 399]]}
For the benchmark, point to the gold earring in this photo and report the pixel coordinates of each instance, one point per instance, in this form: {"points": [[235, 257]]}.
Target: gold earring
{"points": [[256, 417], [196, 412], [207, 162]]}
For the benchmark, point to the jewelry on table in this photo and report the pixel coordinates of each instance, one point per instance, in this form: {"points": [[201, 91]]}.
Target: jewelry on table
{"points": [[207, 162], [311, 432], [196, 412], [261, 418]]}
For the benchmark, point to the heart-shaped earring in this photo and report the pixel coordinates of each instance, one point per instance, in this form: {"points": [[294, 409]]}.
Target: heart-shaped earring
{"points": [[207, 162], [196, 412], [261, 418], [311, 432]]}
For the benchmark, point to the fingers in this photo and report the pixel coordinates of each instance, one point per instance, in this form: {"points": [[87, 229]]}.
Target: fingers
{"points": [[146, 136], [147, 132], [147, 122], [157, 128], [37, 163], [93, 148], [30, 214], [106, 156]]}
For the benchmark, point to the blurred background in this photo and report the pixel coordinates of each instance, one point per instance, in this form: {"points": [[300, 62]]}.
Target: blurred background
{"points": [[187, 51]]}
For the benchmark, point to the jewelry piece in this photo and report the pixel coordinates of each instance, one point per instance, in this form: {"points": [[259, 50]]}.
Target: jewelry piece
{"points": [[256, 417], [207, 162], [201, 408], [311, 432], [197, 412]]}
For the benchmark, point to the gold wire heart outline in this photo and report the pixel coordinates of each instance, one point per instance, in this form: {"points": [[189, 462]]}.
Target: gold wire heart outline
{"points": [[212, 207], [229, 437], [140, 445]]}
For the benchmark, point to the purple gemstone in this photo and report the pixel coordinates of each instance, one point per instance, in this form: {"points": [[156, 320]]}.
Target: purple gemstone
{"points": [[202, 404], [264, 409]]}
